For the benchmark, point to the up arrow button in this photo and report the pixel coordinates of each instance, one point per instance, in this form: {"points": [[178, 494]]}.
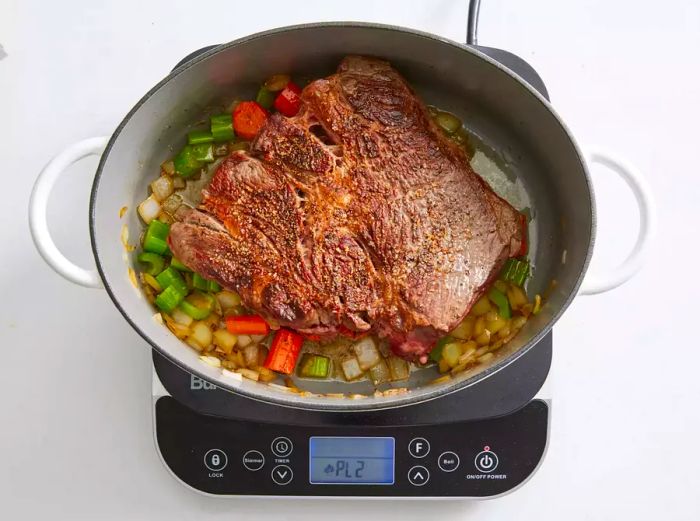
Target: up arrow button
{"points": [[418, 476]]}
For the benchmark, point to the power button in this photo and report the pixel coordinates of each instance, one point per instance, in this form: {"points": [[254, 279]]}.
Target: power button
{"points": [[486, 461]]}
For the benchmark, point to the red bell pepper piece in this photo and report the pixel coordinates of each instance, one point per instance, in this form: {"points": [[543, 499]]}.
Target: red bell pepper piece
{"points": [[247, 325], [289, 100], [523, 242], [284, 351], [248, 118]]}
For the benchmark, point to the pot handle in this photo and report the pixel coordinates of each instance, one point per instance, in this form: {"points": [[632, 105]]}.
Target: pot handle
{"points": [[601, 282], [38, 204]]}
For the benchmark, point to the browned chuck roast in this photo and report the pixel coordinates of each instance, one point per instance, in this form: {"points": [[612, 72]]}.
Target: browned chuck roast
{"points": [[357, 214]]}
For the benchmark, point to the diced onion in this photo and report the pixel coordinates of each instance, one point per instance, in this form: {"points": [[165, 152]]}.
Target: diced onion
{"points": [[250, 355], [172, 203], [465, 330], [181, 317], [231, 374], [210, 360], [162, 188], [149, 209], [244, 340], [398, 367], [265, 374], [249, 373], [481, 307], [201, 334], [351, 368], [168, 167], [225, 340], [379, 373], [367, 353], [228, 299]]}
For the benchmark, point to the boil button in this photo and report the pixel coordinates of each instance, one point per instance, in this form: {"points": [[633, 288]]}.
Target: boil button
{"points": [[448, 461]]}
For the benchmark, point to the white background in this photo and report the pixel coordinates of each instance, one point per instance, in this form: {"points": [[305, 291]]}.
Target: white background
{"points": [[75, 417]]}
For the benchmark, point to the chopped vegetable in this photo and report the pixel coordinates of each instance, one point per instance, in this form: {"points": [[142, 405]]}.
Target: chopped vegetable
{"points": [[228, 299], [465, 329], [289, 100], [244, 340], [200, 282], [451, 353], [367, 353], [198, 305], [169, 298], [149, 209], [284, 351], [398, 367], [201, 334], [162, 187], [501, 302], [204, 152], [155, 239], [538, 305], [213, 286], [314, 366], [250, 355], [265, 97], [197, 137], [222, 128], [186, 162], [171, 277], [448, 122], [436, 353], [225, 340], [247, 325], [515, 271], [154, 262], [380, 373], [248, 118], [175, 263], [152, 282], [277, 82], [168, 167], [181, 317], [351, 368], [481, 307], [516, 296]]}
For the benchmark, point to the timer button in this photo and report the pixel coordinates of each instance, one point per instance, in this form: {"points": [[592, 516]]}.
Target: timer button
{"points": [[486, 461], [448, 461], [282, 447], [419, 447], [253, 460], [282, 474], [215, 460], [418, 476]]}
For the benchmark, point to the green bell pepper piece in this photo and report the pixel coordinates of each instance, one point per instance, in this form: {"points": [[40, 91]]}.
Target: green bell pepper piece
{"points": [[186, 162], [501, 302], [266, 97], [197, 137], [222, 127]]}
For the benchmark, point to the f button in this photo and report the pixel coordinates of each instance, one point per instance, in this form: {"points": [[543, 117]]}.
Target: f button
{"points": [[419, 447]]}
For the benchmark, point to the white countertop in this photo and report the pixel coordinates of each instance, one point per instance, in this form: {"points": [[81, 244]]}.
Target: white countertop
{"points": [[75, 427]]}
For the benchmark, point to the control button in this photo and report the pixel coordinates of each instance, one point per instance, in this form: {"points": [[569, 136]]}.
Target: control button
{"points": [[419, 447], [418, 476], [282, 474], [253, 460], [282, 447], [215, 460], [486, 461], [448, 461]]}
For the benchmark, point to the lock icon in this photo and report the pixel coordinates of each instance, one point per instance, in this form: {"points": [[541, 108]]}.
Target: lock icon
{"points": [[215, 460]]}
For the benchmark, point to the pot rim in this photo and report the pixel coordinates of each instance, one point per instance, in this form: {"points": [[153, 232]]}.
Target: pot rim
{"points": [[293, 401]]}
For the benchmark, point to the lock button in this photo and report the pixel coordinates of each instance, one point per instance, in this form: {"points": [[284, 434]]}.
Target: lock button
{"points": [[215, 460]]}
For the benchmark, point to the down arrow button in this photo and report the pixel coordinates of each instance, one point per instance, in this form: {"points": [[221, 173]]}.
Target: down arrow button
{"points": [[282, 474]]}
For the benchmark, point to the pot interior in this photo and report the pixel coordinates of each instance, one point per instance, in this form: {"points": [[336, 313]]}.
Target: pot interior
{"points": [[546, 174]]}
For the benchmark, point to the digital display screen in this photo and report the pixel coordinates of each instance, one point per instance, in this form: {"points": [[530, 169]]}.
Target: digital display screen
{"points": [[351, 461]]}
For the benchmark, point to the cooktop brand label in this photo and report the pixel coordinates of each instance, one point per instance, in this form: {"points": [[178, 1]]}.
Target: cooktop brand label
{"points": [[197, 384]]}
